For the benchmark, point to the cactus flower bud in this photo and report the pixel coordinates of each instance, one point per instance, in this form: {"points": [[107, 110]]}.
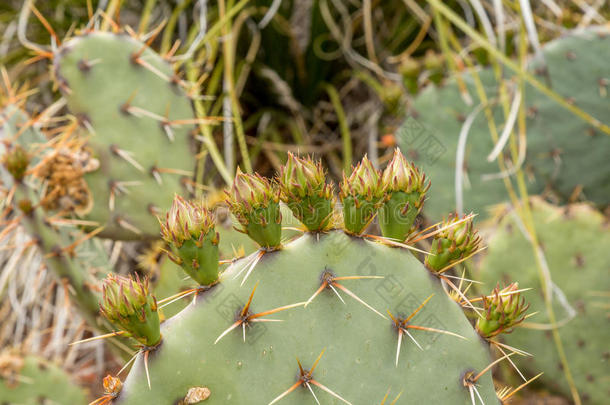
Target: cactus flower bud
{"points": [[189, 230], [16, 162], [304, 189], [361, 194], [406, 188], [255, 203], [112, 385], [128, 304], [504, 309], [456, 241]]}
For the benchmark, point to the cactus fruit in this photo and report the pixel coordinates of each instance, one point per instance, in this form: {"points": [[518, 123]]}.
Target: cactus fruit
{"points": [[29, 380], [361, 194], [455, 240], [503, 310], [238, 341], [255, 203], [304, 189], [406, 188], [140, 122], [573, 240], [556, 141], [128, 304], [189, 230]]}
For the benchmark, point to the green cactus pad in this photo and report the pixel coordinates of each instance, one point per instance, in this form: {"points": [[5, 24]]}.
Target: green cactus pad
{"points": [[359, 345], [125, 104], [38, 381], [563, 152], [575, 242]]}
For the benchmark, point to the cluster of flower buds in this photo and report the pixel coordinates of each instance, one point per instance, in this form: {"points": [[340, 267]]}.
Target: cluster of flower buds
{"points": [[189, 230], [128, 304], [361, 194], [255, 203], [304, 189], [16, 162], [405, 186], [504, 309], [456, 240]]}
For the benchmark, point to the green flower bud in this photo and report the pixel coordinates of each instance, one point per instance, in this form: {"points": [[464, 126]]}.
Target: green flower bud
{"points": [[410, 69], [361, 194], [255, 203], [456, 241], [16, 162], [189, 230], [406, 188], [433, 64], [186, 220], [128, 304], [304, 189], [504, 309]]}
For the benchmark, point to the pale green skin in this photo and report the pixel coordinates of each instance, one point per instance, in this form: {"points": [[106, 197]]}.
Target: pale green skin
{"points": [[437, 112], [359, 361], [200, 258], [393, 223], [47, 383], [269, 234], [585, 338], [98, 95], [357, 219]]}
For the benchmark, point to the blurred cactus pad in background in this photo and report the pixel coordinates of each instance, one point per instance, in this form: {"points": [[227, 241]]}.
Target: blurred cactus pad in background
{"points": [[304, 202]]}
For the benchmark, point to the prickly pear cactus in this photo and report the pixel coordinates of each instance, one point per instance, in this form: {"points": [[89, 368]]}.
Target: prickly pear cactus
{"points": [[574, 241], [563, 152], [69, 253], [312, 319], [28, 380], [140, 122]]}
